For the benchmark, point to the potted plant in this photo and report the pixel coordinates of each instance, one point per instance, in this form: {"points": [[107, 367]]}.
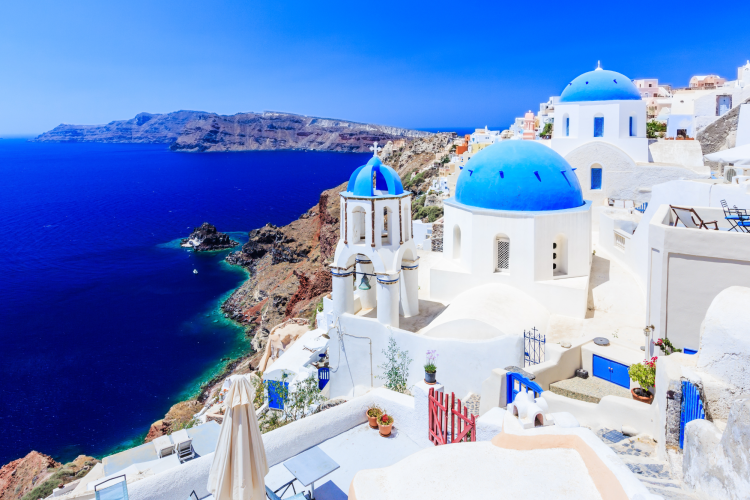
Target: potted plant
{"points": [[373, 413], [430, 368], [645, 374], [385, 423]]}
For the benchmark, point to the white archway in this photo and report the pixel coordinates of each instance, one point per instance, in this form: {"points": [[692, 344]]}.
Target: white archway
{"points": [[456, 242]]}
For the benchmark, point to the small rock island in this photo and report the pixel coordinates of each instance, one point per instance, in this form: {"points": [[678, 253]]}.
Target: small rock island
{"points": [[207, 239]]}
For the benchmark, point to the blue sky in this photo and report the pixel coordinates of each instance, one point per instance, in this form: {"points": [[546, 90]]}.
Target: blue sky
{"points": [[423, 65]]}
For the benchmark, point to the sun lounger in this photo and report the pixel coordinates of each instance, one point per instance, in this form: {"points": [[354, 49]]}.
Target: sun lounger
{"points": [[163, 446], [690, 218], [183, 445]]}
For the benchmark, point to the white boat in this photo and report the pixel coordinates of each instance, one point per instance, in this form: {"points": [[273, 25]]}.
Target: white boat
{"points": [[195, 271]]}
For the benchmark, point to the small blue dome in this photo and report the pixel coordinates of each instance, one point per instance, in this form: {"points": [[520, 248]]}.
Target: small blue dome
{"points": [[387, 181], [600, 85], [518, 175]]}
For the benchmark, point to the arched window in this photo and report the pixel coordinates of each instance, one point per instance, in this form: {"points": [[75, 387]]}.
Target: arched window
{"points": [[456, 242], [560, 255], [596, 176], [358, 225], [566, 126], [633, 127], [599, 126], [502, 254]]}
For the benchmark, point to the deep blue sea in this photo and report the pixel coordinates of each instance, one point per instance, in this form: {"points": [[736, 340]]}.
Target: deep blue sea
{"points": [[103, 324]]}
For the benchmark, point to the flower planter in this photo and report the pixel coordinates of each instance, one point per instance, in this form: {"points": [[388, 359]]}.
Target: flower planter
{"points": [[643, 399], [372, 421], [429, 378], [385, 430]]}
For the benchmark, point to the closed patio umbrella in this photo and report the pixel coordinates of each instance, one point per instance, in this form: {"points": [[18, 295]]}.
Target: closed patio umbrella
{"points": [[239, 466]]}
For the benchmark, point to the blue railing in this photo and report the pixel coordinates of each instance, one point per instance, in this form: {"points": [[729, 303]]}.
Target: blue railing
{"points": [[642, 207], [515, 383], [692, 407]]}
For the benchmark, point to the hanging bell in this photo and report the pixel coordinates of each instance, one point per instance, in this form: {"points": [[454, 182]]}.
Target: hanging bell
{"points": [[365, 283]]}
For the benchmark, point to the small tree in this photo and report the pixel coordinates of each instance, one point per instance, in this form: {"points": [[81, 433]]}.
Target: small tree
{"points": [[396, 367], [301, 400], [547, 130]]}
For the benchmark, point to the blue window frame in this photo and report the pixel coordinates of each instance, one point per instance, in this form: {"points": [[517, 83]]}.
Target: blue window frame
{"points": [[596, 178], [567, 126], [689, 351], [599, 126], [632, 132]]}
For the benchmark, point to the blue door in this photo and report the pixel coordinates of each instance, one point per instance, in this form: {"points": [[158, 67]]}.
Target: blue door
{"points": [[691, 408], [323, 375], [276, 400], [724, 104], [601, 368], [620, 374], [611, 371]]}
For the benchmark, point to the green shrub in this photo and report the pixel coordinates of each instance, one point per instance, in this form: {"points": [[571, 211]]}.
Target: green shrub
{"points": [[644, 373], [396, 367]]}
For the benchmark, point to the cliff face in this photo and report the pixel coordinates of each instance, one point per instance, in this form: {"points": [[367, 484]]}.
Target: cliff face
{"points": [[21, 476], [197, 131], [144, 128]]}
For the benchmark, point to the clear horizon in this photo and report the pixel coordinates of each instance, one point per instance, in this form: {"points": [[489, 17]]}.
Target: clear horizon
{"points": [[406, 65]]}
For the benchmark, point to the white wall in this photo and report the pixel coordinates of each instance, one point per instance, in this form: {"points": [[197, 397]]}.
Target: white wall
{"points": [[462, 365], [695, 265], [616, 126], [531, 237]]}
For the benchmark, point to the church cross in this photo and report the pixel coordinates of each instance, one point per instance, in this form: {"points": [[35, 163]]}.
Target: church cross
{"points": [[374, 148]]}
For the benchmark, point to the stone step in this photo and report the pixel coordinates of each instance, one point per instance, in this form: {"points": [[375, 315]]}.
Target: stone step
{"points": [[591, 389]]}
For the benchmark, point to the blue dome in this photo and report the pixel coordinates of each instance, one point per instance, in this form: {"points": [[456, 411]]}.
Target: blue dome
{"points": [[387, 181], [600, 85], [518, 175]]}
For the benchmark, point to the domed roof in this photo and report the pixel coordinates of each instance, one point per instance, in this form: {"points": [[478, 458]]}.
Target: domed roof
{"points": [[600, 85], [518, 175], [387, 182]]}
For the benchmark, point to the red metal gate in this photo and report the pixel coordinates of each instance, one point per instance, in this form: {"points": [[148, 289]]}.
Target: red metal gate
{"points": [[462, 427]]}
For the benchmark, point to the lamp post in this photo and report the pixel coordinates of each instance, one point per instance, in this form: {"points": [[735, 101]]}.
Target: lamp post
{"points": [[647, 344]]}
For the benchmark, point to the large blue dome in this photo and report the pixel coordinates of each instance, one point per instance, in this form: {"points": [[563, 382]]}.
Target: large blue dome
{"points": [[600, 85], [518, 175], [387, 182]]}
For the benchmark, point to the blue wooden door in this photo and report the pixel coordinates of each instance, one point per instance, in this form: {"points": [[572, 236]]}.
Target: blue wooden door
{"points": [[601, 368], [619, 373], [276, 400], [323, 375], [724, 104], [691, 408]]}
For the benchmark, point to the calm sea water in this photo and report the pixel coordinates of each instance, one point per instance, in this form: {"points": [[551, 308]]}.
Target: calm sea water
{"points": [[103, 324]]}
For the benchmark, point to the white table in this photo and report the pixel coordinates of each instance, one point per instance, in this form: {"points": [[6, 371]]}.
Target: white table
{"points": [[310, 466]]}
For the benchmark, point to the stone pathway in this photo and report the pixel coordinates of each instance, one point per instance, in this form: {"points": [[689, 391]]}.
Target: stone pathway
{"points": [[636, 454]]}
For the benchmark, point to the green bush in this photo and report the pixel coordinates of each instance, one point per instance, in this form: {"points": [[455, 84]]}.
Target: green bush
{"points": [[396, 367], [644, 373], [655, 130], [432, 213]]}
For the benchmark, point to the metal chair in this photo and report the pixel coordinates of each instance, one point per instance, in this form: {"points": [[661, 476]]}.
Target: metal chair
{"points": [[272, 495], [688, 218], [737, 217]]}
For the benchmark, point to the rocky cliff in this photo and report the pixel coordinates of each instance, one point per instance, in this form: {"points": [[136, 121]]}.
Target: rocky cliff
{"points": [[288, 265], [198, 131], [36, 475]]}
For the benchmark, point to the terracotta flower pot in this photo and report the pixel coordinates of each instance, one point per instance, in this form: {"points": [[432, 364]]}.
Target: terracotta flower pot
{"points": [[372, 421], [385, 430], [643, 399]]}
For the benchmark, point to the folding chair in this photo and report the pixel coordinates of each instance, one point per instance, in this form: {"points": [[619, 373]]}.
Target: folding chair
{"points": [[688, 218], [737, 217]]}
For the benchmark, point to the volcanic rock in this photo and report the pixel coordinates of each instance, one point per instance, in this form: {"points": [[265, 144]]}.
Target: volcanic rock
{"points": [[206, 238]]}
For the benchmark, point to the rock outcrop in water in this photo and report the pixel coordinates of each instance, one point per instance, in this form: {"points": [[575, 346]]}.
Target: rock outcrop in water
{"points": [[206, 239], [198, 131]]}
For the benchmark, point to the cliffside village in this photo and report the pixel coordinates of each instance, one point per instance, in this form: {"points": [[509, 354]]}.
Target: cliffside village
{"points": [[570, 320]]}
